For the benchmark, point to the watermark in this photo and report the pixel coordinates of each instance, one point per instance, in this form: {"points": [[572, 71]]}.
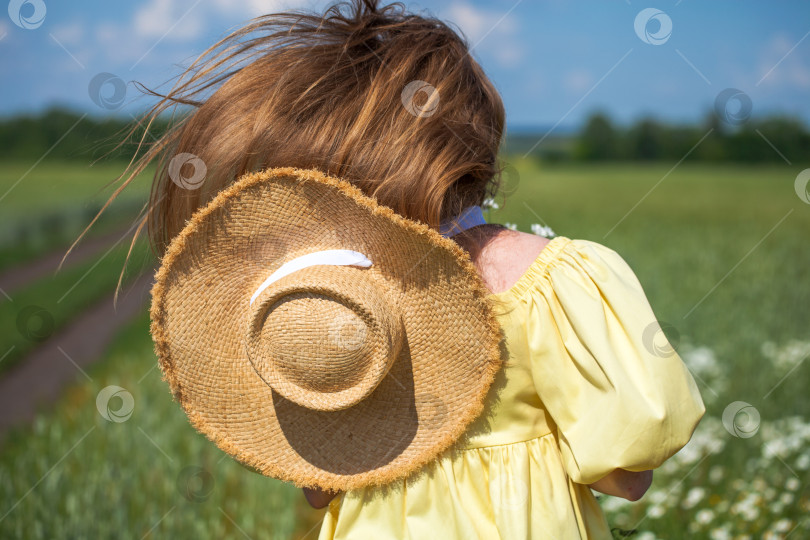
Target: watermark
{"points": [[181, 175], [195, 484], [348, 331], [415, 88], [108, 91], [27, 14], [802, 186], [741, 419], [434, 409], [653, 26], [115, 404], [733, 106], [658, 338], [35, 323]]}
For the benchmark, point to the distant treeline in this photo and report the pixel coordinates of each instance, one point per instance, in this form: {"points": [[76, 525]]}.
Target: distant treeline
{"points": [[776, 138], [66, 135]]}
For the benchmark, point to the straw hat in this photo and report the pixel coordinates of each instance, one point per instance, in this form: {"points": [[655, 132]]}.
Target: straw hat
{"points": [[319, 337]]}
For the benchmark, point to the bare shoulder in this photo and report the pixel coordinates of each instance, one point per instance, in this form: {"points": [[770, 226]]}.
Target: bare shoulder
{"points": [[505, 256], [516, 250], [516, 246]]}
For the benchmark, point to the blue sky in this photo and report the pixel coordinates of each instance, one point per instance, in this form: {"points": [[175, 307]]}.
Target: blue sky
{"points": [[554, 61]]}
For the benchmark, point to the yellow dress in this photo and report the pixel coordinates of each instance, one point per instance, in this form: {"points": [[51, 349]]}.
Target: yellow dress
{"points": [[585, 391]]}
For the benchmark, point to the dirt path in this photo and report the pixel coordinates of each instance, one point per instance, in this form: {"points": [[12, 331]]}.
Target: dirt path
{"points": [[26, 273], [40, 377]]}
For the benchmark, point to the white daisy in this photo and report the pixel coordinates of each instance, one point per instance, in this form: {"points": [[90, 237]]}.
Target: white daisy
{"points": [[542, 230]]}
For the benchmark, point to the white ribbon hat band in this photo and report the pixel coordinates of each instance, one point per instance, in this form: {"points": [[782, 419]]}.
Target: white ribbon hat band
{"points": [[338, 257], [470, 217]]}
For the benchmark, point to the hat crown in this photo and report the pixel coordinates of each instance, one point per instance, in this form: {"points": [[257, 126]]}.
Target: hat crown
{"points": [[324, 337], [327, 350], [220, 336]]}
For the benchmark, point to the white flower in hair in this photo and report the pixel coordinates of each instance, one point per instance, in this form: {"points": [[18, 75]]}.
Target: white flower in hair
{"points": [[542, 230], [489, 202]]}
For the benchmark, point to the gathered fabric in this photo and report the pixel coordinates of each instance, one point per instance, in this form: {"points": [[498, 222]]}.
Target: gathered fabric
{"points": [[583, 392]]}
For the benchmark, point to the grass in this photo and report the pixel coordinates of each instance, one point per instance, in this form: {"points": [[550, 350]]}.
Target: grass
{"points": [[721, 252], [54, 185], [702, 232], [38, 310], [151, 475], [55, 233], [46, 207]]}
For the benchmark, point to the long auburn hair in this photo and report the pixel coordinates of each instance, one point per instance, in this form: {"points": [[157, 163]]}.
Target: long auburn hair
{"points": [[389, 100]]}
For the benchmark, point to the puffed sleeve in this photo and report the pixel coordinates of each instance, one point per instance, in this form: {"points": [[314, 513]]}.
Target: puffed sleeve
{"points": [[618, 398]]}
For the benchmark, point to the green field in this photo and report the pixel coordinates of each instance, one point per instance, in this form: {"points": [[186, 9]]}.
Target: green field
{"points": [[52, 186], [46, 206], [722, 254], [43, 209]]}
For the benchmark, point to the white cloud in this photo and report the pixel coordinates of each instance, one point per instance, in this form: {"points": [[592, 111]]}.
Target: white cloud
{"points": [[471, 21], [577, 80], [181, 20], [477, 24], [69, 34], [158, 26], [169, 19], [253, 8], [117, 45], [248, 9], [781, 70], [508, 54], [487, 31], [72, 37]]}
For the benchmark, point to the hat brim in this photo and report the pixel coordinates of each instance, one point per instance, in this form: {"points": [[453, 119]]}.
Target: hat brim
{"points": [[200, 301]]}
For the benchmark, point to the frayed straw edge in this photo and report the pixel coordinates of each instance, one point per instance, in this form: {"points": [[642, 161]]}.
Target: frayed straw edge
{"points": [[319, 478]]}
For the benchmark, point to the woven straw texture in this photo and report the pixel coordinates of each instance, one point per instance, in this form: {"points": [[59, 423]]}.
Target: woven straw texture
{"points": [[336, 377]]}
